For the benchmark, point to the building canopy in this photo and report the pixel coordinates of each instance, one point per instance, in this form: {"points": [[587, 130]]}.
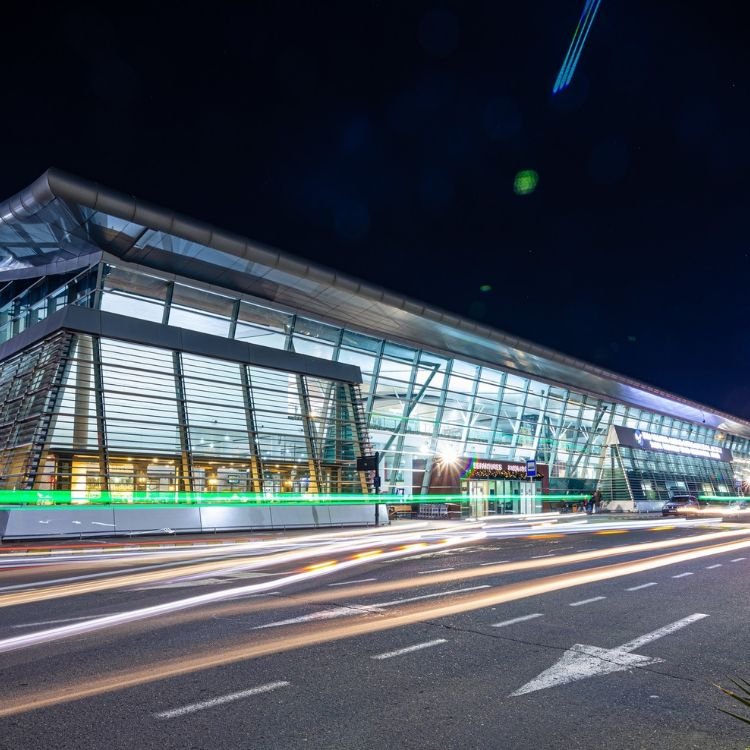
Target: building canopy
{"points": [[61, 222]]}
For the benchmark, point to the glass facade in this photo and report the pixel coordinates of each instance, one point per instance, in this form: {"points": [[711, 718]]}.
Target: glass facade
{"points": [[654, 477], [87, 411], [132, 417]]}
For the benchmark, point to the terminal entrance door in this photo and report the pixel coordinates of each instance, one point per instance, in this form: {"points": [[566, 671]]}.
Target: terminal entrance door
{"points": [[500, 496]]}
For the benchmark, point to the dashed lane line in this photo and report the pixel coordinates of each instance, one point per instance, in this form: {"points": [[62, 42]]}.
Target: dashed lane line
{"points": [[517, 619], [349, 583], [500, 562], [537, 557], [738, 559], [682, 575], [587, 601], [433, 570], [711, 567], [642, 586], [409, 649], [192, 707]]}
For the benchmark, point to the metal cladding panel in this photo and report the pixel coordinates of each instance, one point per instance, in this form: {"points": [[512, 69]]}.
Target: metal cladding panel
{"points": [[221, 518], [357, 515], [52, 522], [285, 517], [315, 291], [48, 523], [157, 520]]}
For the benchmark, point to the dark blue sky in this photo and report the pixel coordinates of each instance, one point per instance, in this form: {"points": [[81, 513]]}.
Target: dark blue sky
{"points": [[383, 138]]}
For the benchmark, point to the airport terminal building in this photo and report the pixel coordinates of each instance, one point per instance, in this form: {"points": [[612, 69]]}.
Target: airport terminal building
{"points": [[143, 351]]}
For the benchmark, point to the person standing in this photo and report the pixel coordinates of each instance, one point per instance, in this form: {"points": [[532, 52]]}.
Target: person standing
{"points": [[596, 502]]}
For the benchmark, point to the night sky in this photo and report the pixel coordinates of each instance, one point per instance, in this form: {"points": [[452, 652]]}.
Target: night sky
{"points": [[383, 139]]}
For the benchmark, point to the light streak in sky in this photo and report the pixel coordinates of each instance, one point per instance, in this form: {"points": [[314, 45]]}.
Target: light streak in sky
{"points": [[580, 35]]}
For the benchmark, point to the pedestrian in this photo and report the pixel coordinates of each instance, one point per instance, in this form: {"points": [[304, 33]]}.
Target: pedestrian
{"points": [[590, 505], [596, 502]]}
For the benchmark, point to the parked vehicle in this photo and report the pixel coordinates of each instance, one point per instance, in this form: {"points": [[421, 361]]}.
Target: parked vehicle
{"points": [[736, 505], [681, 505]]}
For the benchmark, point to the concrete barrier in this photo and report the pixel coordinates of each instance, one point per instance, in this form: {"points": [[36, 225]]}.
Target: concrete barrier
{"points": [[114, 520]]}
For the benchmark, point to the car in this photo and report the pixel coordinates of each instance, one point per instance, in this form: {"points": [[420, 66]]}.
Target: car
{"points": [[735, 505], [680, 505]]}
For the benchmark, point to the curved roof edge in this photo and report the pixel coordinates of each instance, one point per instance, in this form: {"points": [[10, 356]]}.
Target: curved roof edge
{"points": [[56, 183]]}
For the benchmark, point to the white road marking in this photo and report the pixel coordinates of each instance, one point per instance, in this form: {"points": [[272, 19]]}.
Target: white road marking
{"points": [[583, 661], [737, 559], [348, 610], [349, 583], [642, 586], [682, 575], [395, 602], [497, 562], [711, 567], [587, 601], [642, 640], [536, 557], [434, 570], [517, 619], [409, 649], [175, 712], [183, 584], [55, 622]]}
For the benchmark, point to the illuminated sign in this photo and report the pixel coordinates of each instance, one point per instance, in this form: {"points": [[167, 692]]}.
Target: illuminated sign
{"points": [[477, 468], [650, 441], [498, 466]]}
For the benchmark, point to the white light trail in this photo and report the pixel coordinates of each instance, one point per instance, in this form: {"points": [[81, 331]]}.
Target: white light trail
{"points": [[122, 618]]}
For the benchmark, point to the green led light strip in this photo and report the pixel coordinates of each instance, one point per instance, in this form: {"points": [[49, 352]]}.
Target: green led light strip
{"points": [[724, 498], [67, 498]]}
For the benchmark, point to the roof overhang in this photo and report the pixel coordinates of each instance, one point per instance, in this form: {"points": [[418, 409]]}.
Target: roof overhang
{"points": [[68, 217]]}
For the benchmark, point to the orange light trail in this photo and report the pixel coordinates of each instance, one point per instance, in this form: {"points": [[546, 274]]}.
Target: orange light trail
{"points": [[314, 636]]}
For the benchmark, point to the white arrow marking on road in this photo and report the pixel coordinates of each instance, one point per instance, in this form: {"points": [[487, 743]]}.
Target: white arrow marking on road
{"points": [[347, 610], [583, 661]]}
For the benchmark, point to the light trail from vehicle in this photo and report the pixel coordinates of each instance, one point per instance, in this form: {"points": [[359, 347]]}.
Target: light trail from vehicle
{"points": [[227, 566], [309, 573], [170, 608], [308, 636]]}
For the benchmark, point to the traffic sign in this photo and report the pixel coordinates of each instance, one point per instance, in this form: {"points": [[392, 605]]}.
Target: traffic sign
{"points": [[531, 468]]}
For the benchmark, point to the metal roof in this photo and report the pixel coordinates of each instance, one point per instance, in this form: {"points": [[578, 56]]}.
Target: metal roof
{"points": [[61, 217]]}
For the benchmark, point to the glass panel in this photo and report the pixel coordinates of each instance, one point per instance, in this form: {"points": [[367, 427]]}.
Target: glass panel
{"points": [[198, 310], [259, 325], [139, 398], [133, 294], [215, 406]]}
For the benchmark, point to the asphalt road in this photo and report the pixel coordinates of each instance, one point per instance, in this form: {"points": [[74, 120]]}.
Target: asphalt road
{"points": [[479, 638]]}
